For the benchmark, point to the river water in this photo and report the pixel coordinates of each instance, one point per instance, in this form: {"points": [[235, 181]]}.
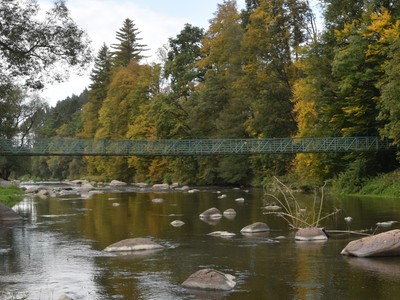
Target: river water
{"points": [[58, 248]]}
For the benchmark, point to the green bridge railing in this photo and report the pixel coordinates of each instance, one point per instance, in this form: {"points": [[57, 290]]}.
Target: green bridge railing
{"points": [[88, 147]]}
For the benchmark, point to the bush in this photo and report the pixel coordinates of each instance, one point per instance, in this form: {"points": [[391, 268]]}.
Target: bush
{"points": [[351, 181]]}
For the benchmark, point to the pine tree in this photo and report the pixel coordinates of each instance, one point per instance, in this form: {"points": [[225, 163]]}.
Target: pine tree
{"points": [[101, 77], [128, 47]]}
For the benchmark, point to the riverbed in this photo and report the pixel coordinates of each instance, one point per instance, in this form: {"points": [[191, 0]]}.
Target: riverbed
{"points": [[58, 248]]}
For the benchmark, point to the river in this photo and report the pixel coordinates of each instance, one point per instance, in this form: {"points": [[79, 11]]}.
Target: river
{"points": [[58, 248]]}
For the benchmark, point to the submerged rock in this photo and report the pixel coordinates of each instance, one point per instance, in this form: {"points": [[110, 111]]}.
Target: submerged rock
{"points": [[272, 207], [135, 244], [310, 234], [177, 223], [157, 200], [386, 224], [209, 279], [383, 244], [211, 213], [221, 233], [230, 212], [255, 227]]}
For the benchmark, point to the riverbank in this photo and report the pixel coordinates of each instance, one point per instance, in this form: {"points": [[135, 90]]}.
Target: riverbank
{"points": [[11, 195], [382, 185]]}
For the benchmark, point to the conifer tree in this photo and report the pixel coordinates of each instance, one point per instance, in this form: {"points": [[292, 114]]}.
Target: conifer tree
{"points": [[129, 46], [101, 77]]}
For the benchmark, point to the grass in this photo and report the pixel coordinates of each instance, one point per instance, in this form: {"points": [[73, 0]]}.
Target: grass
{"points": [[292, 211], [10, 196], [382, 185]]}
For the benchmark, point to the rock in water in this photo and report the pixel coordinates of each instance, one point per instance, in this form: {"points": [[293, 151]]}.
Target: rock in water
{"points": [[209, 279], [230, 212], [177, 223], [211, 213], [383, 244], [310, 234], [221, 233], [7, 214], [135, 244], [255, 227]]}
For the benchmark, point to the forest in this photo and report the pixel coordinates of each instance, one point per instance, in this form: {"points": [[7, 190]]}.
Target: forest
{"points": [[265, 71]]}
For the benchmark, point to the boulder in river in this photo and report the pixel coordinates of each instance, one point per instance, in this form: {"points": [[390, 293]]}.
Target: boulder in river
{"points": [[7, 214], [211, 213], [209, 279], [161, 186], [383, 244], [177, 223], [255, 227], [134, 244], [310, 234], [230, 212], [117, 183], [222, 233], [86, 187]]}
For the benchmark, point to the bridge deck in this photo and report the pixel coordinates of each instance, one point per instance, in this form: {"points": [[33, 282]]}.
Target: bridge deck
{"points": [[88, 147]]}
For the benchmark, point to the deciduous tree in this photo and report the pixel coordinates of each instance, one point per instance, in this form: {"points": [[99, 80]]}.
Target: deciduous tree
{"points": [[36, 50]]}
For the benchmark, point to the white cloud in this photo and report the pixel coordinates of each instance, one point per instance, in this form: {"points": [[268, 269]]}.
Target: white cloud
{"points": [[157, 20]]}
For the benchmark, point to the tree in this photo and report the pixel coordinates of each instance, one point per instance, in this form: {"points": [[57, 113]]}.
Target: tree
{"points": [[180, 65], [36, 51], [101, 78], [128, 47], [19, 118]]}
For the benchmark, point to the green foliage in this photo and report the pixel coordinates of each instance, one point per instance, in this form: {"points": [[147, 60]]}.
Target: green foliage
{"points": [[351, 180], [382, 185], [33, 43], [10, 196], [128, 47], [180, 63], [234, 170], [261, 73], [101, 78]]}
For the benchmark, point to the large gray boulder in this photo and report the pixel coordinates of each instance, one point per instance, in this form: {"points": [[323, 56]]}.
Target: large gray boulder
{"points": [[255, 227], [310, 234], [135, 244], [211, 213], [5, 183], [86, 187], [117, 183], [209, 279], [161, 186], [7, 214], [383, 244]]}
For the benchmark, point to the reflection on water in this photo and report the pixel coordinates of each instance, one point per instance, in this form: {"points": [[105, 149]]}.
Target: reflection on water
{"points": [[58, 249]]}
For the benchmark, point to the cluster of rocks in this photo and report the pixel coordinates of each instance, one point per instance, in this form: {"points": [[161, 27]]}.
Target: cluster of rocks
{"points": [[207, 279], [86, 189]]}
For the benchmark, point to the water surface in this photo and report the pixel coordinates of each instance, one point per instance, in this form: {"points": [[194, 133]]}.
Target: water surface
{"points": [[58, 249]]}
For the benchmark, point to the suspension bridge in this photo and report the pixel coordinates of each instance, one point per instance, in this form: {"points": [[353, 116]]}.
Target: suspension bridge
{"points": [[190, 147]]}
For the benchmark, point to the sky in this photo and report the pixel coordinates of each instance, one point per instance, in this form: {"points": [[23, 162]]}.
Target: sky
{"points": [[156, 20]]}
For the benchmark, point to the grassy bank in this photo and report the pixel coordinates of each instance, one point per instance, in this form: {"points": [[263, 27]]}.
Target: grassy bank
{"points": [[10, 196], [383, 185]]}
